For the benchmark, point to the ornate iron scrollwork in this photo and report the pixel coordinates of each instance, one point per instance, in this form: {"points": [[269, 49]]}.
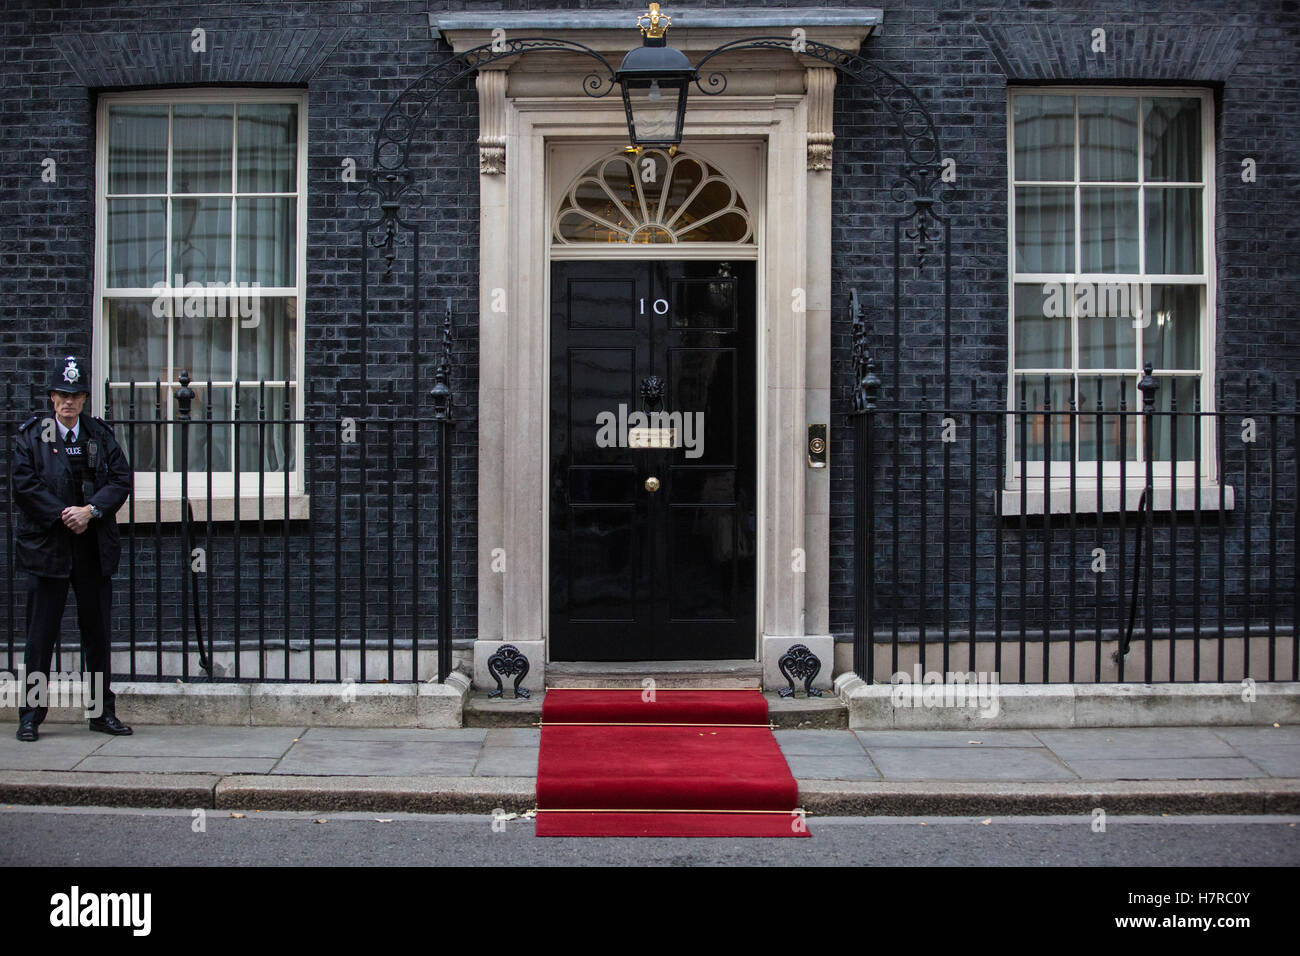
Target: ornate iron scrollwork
{"points": [[866, 382], [441, 391], [799, 663], [922, 166], [508, 661]]}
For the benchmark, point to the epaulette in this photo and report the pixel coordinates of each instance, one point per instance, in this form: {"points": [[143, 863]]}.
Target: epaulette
{"points": [[28, 424]]}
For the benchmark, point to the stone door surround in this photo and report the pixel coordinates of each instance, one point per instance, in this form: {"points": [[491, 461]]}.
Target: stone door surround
{"points": [[536, 100]]}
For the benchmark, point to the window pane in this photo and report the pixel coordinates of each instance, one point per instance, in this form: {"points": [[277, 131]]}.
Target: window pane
{"points": [[201, 240], [136, 243], [1038, 427], [267, 350], [687, 175], [201, 147], [1182, 422], [1173, 230], [1171, 138], [1108, 138], [142, 453], [268, 147], [202, 342], [1044, 130], [265, 405], [1108, 230], [137, 149], [1044, 229], [620, 178], [1172, 338], [1114, 428], [1042, 327], [1106, 311], [266, 252], [201, 431], [137, 341]]}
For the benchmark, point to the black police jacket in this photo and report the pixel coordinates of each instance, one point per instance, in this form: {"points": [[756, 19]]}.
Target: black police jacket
{"points": [[44, 486]]}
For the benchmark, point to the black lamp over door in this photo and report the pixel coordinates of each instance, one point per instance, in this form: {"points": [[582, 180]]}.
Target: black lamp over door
{"points": [[653, 78]]}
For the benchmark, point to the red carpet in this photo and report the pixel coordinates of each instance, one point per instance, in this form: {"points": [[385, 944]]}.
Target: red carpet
{"points": [[688, 763]]}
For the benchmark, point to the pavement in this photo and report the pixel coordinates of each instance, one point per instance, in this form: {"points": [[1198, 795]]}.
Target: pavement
{"points": [[1236, 770]]}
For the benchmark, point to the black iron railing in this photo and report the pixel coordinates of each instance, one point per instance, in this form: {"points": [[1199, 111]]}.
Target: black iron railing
{"points": [[291, 548], [1131, 540]]}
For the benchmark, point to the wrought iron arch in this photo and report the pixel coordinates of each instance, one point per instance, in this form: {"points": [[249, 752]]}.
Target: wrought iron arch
{"points": [[917, 188], [390, 184]]}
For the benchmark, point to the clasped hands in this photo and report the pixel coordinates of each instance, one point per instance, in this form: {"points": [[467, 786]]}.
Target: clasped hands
{"points": [[77, 518]]}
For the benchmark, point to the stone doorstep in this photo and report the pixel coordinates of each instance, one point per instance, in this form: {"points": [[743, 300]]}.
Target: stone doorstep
{"points": [[667, 675], [827, 712], [1055, 706]]}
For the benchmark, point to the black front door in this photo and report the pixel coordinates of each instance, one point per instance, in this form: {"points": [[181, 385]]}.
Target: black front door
{"points": [[653, 432]]}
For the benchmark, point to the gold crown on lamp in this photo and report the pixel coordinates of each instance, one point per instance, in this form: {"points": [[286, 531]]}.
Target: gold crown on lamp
{"points": [[654, 24]]}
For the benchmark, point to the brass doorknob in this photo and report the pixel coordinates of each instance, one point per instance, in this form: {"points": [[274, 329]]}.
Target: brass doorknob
{"points": [[652, 484]]}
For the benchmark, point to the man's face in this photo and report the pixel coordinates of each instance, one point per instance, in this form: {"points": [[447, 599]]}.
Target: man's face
{"points": [[66, 406]]}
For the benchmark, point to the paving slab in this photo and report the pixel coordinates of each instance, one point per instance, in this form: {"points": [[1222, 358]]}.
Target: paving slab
{"points": [[221, 765], [951, 763], [1130, 743], [52, 750], [380, 758], [818, 743], [1241, 737], [411, 734], [507, 762], [175, 741], [832, 767], [41, 760], [1274, 761], [947, 738], [513, 737], [1166, 768]]}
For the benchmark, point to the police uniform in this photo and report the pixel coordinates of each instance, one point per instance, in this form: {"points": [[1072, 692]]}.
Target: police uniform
{"points": [[56, 467]]}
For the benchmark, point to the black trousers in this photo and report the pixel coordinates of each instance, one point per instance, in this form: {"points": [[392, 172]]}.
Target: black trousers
{"points": [[46, 601]]}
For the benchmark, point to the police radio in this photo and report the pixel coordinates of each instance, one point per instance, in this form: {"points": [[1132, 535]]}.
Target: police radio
{"points": [[92, 464]]}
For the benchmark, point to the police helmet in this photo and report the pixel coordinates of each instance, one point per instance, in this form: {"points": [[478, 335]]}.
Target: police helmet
{"points": [[70, 377]]}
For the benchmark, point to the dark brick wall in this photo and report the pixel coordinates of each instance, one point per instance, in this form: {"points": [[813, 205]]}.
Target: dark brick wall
{"points": [[354, 58], [960, 58]]}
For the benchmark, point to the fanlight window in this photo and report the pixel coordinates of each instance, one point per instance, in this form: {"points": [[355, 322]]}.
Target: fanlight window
{"points": [[649, 198]]}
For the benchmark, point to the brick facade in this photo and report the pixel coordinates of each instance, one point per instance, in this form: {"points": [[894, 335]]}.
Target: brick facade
{"points": [[353, 58]]}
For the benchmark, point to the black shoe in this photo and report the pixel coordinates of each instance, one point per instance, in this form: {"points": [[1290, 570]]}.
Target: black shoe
{"points": [[109, 724], [27, 730]]}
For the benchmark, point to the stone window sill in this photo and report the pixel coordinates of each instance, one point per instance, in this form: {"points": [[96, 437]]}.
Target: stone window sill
{"points": [[1085, 497], [168, 509]]}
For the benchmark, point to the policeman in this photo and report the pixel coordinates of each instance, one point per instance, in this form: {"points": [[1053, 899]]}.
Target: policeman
{"points": [[70, 477]]}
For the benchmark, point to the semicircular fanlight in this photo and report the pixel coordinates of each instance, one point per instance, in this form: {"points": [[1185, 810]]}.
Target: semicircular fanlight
{"points": [[652, 198]]}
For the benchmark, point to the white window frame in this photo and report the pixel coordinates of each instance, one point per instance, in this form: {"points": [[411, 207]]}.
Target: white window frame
{"points": [[146, 485], [1086, 484]]}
